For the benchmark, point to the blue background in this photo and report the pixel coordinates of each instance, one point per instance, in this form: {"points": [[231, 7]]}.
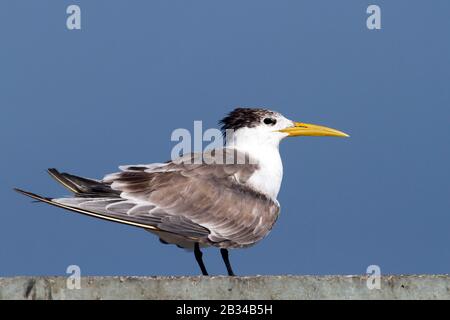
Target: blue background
{"points": [[111, 94]]}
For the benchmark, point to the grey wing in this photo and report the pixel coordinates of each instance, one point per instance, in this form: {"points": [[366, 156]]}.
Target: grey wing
{"points": [[204, 202], [135, 213]]}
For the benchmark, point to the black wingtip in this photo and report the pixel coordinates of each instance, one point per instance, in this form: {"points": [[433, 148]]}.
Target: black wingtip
{"points": [[20, 191], [62, 179], [54, 173], [32, 195]]}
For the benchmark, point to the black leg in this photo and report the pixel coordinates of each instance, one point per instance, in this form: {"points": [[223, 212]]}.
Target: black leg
{"points": [[224, 253], [198, 256]]}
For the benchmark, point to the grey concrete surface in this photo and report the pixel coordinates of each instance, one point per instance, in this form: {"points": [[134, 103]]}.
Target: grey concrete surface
{"points": [[254, 287]]}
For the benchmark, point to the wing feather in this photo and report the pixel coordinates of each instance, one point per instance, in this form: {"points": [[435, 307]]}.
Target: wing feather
{"points": [[201, 197], [213, 196]]}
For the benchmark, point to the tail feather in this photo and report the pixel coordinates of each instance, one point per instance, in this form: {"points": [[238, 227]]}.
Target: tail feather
{"points": [[83, 187]]}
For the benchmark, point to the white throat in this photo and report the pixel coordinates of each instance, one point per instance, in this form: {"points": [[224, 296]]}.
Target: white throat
{"points": [[264, 148]]}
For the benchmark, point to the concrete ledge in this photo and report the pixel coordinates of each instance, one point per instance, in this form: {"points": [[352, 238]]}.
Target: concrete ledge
{"points": [[255, 287]]}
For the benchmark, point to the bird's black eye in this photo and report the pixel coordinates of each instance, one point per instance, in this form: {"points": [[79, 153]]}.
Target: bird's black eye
{"points": [[270, 121]]}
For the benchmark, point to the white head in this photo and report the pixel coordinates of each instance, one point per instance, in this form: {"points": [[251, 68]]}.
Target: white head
{"points": [[247, 127], [258, 132]]}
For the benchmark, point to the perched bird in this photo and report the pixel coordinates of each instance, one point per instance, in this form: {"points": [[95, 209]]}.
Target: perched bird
{"points": [[225, 198]]}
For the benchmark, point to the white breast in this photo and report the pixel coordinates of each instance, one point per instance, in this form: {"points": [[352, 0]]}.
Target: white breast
{"points": [[263, 148], [268, 178]]}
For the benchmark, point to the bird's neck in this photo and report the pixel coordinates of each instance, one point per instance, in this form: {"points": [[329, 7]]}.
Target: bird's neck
{"points": [[267, 179]]}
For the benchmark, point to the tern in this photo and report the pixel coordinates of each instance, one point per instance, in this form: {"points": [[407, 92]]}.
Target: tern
{"points": [[225, 197]]}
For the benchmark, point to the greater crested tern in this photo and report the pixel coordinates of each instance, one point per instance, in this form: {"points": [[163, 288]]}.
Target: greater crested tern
{"points": [[226, 198]]}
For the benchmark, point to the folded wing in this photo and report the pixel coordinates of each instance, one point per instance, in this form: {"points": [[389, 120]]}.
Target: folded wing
{"points": [[201, 200]]}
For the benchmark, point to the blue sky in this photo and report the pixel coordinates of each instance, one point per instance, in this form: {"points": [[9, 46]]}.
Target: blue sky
{"points": [[87, 101]]}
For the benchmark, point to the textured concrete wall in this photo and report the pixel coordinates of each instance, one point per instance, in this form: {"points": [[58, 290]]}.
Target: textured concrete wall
{"points": [[258, 287]]}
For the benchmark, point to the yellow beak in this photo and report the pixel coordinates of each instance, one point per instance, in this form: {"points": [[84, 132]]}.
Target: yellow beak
{"points": [[307, 129]]}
